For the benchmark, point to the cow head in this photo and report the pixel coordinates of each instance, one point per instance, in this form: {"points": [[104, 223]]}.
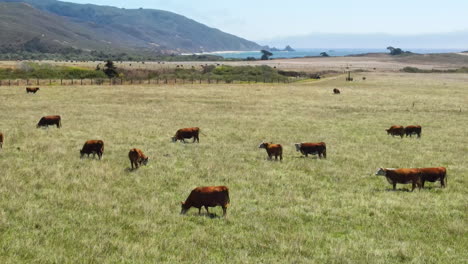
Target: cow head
{"points": [[298, 146], [81, 153], [173, 139], [263, 145], [145, 161], [381, 172], [185, 208]]}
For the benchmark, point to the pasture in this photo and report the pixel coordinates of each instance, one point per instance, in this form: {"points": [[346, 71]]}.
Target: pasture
{"points": [[58, 208]]}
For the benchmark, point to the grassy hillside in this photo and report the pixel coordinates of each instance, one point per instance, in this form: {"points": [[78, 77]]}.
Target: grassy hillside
{"points": [[55, 207], [134, 29]]}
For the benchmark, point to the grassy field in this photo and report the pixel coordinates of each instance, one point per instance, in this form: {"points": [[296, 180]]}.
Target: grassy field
{"points": [[58, 208]]}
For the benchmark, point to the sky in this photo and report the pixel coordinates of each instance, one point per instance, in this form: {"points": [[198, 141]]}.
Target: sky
{"points": [[261, 20]]}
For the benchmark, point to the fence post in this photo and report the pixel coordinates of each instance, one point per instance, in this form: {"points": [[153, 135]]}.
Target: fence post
{"points": [[50, 81], [60, 81], [81, 81], [121, 81], [37, 81], [9, 82], [27, 81]]}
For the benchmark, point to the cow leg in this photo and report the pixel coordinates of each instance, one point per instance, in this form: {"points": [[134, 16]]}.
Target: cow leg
{"points": [[224, 211], [281, 156], [199, 210], [394, 186], [442, 182], [131, 164], [422, 183], [307, 154], [206, 208]]}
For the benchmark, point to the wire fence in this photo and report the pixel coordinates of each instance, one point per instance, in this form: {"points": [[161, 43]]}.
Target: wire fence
{"points": [[148, 81]]}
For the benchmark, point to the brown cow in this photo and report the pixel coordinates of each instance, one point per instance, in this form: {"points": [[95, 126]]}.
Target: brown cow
{"points": [[137, 157], [402, 176], [336, 91], [433, 175], [210, 196], [92, 147], [184, 133], [50, 121], [410, 130], [396, 131], [1, 140], [272, 149], [32, 89], [312, 148]]}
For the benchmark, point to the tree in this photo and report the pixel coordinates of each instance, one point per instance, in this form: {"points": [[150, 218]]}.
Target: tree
{"points": [[324, 54], [266, 55], [395, 51], [110, 70]]}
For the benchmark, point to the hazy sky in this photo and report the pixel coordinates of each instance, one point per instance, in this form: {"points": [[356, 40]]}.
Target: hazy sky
{"points": [[262, 20]]}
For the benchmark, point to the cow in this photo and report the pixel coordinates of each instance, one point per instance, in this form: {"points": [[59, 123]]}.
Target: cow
{"points": [[272, 150], [402, 176], [92, 147], [433, 175], [336, 91], [184, 133], [396, 131], [210, 196], [32, 89], [50, 121], [1, 140], [312, 148], [137, 157], [410, 130]]}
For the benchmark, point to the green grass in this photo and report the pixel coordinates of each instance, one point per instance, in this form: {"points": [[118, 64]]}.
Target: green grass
{"points": [[57, 208]]}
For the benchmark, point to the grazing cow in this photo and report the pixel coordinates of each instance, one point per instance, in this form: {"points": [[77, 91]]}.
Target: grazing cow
{"points": [[336, 91], [433, 175], [211, 196], [50, 121], [92, 147], [137, 157], [32, 89], [272, 150], [1, 140], [410, 130], [402, 176], [396, 131], [363, 78], [312, 148], [184, 133]]}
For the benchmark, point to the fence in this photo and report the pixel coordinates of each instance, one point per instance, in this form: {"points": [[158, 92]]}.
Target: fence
{"points": [[149, 81]]}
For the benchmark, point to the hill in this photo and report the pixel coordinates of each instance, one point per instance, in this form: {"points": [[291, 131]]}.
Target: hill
{"points": [[104, 28]]}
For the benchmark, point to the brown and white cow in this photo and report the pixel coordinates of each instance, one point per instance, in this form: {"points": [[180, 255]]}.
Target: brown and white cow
{"points": [[92, 147], [433, 175], [1, 140], [137, 157], [32, 89], [410, 130], [312, 148], [396, 131], [272, 150], [210, 196], [336, 91], [402, 176], [184, 133], [50, 121]]}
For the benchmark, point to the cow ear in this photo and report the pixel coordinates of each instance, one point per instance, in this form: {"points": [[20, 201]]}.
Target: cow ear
{"points": [[182, 203]]}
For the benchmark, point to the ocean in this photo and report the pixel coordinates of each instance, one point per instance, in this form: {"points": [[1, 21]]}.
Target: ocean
{"points": [[316, 52]]}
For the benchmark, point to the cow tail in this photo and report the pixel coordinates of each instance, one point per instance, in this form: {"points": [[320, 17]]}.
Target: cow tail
{"points": [[228, 199], [446, 178]]}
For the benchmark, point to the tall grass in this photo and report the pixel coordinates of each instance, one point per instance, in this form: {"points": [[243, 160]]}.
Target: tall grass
{"points": [[56, 207]]}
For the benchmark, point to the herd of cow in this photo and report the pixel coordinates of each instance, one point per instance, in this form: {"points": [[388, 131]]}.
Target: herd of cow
{"points": [[213, 196]]}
